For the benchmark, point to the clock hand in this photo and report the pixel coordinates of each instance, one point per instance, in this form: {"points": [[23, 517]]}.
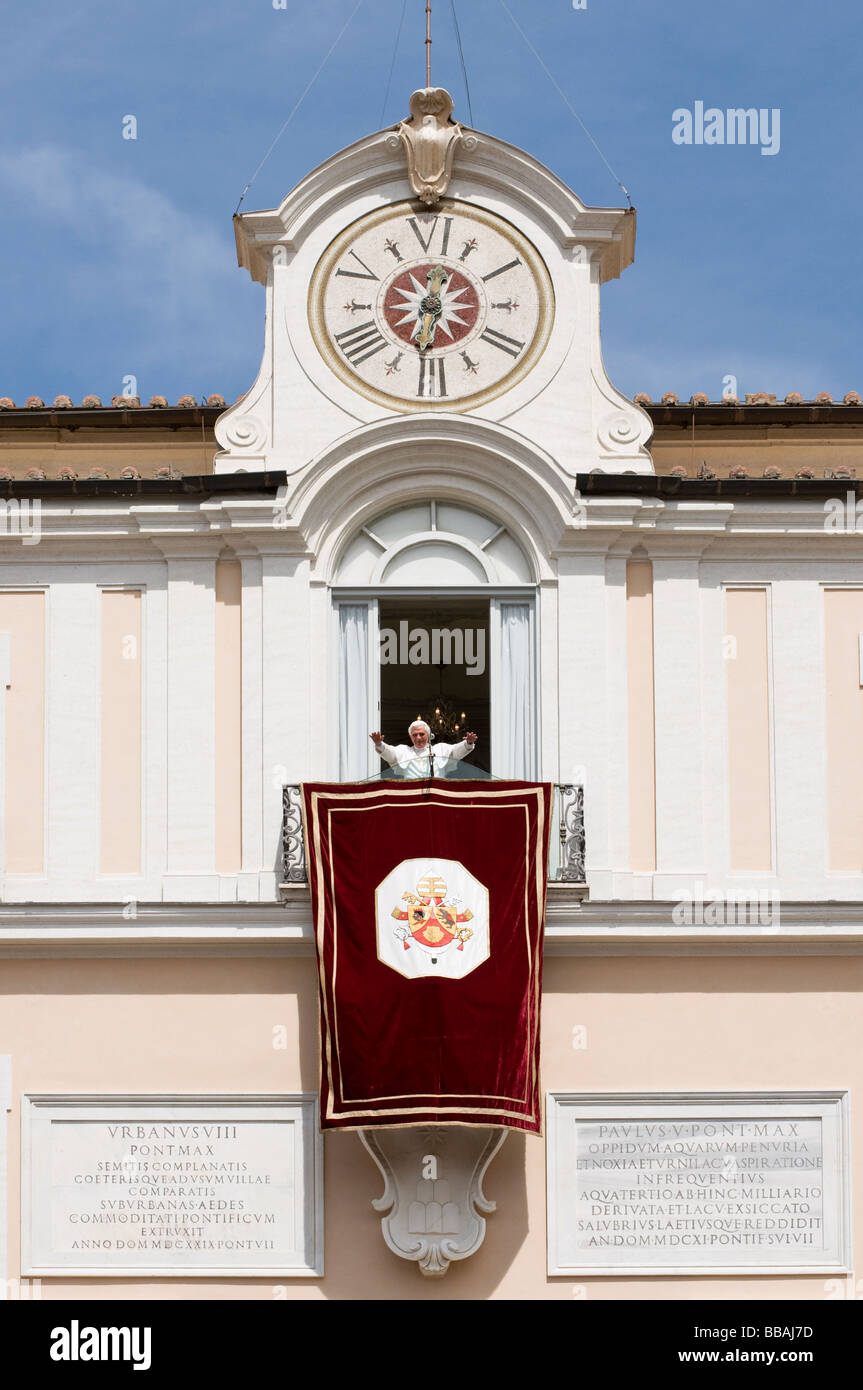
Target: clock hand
{"points": [[431, 307]]}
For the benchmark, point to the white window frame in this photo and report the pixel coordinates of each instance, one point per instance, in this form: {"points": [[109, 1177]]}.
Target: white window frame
{"points": [[497, 596]]}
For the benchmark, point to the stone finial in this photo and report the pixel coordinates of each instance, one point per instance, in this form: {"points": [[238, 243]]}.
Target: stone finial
{"points": [[430, 138]]}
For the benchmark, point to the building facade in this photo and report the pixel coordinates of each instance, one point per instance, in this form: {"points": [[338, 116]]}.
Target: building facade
{"points": [[656, 607]]}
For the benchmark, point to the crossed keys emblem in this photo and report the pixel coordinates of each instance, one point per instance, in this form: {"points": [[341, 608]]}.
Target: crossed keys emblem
{"points": [[432, 921]]}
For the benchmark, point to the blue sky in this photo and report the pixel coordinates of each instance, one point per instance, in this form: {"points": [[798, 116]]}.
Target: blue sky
{"points": [[118, 255]]}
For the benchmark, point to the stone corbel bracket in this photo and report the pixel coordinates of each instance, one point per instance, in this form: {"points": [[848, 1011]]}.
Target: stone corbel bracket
{"points": [[433, 1204]]}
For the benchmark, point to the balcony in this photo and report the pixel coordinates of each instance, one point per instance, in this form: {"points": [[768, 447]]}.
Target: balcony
{"points": [[565, 851]]}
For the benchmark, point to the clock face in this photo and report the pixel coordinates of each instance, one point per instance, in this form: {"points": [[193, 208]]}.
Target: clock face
{"points": [[422, 310]]}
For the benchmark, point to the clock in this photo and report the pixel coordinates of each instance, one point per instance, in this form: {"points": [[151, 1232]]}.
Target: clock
{"points": [[423, 310]]}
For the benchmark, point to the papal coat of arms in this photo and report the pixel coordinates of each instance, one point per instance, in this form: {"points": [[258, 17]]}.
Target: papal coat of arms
{"points": [[432, 919]]}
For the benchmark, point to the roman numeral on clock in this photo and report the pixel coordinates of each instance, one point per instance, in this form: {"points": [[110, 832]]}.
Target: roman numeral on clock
{"points": [[425, 242], [510, 265], [365, 274], [361, 342], [502, 341], [432, 377]]}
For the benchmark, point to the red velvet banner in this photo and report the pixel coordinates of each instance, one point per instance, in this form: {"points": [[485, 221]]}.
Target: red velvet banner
{"points": [[428, 902]]}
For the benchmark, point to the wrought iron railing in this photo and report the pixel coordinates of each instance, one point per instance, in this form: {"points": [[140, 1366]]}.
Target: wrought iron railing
{"points": [[566, 857], [566, 846], [293, 840]]}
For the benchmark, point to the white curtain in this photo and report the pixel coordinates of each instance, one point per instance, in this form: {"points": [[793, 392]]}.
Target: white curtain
{"points": [[516, 713], [353, 691]]}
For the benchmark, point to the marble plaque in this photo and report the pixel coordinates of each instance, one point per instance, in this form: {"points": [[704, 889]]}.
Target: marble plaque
{"points": [[729, 1183], [172, 1186]]}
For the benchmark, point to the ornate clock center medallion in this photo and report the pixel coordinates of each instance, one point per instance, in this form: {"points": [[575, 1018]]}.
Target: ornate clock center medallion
{"points": [[431, 306]]}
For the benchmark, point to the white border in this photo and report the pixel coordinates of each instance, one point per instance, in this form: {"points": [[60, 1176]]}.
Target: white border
{"points": [[829, 1105], [309, 1222], [5, 1104]]}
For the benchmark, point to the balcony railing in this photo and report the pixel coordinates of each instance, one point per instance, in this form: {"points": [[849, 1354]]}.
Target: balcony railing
{"points": [[565, 852]]}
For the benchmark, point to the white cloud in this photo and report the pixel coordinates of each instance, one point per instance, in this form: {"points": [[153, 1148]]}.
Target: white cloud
{"points": [[127, 246]]}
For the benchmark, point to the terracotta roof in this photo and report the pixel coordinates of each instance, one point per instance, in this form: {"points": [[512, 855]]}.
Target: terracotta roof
{"points": [[117, 402], [752, 398], [700, 398]]}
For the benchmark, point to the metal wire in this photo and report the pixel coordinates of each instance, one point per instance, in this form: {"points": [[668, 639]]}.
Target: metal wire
{"points": [[393, 64], [562, 93], [461, 56], [298, 104]]}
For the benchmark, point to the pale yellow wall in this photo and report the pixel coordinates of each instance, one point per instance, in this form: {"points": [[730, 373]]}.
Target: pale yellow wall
{"points": [[189, 452], [843, 621], [22, 615], [228, 740], [749, 781], [652, 1024], [776, 446], [639, 678], [122, 657]]}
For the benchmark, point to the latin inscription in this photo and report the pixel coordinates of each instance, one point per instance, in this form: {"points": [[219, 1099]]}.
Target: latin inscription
{"points": [[726, 1183], [171, 1193], [697, 1186]]}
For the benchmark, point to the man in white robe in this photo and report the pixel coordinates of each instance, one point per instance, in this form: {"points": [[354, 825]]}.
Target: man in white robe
{"points": [[419, 758]]}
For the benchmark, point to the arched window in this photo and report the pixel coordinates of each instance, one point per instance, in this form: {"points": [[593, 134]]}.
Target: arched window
{"points": [[436, 616], [434, 542]]}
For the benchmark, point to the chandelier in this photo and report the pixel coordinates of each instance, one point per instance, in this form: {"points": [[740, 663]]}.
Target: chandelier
{"points": [[447, 718]]}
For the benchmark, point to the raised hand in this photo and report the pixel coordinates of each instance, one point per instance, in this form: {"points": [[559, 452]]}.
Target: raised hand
{"points": [[377, 737]]}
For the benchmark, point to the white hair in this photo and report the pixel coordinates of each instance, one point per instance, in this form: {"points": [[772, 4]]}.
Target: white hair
{"points": [[420, 724]]}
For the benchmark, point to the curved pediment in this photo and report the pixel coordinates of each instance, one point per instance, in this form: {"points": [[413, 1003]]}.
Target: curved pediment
{"points": [[374, 171], [454, 274]]}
